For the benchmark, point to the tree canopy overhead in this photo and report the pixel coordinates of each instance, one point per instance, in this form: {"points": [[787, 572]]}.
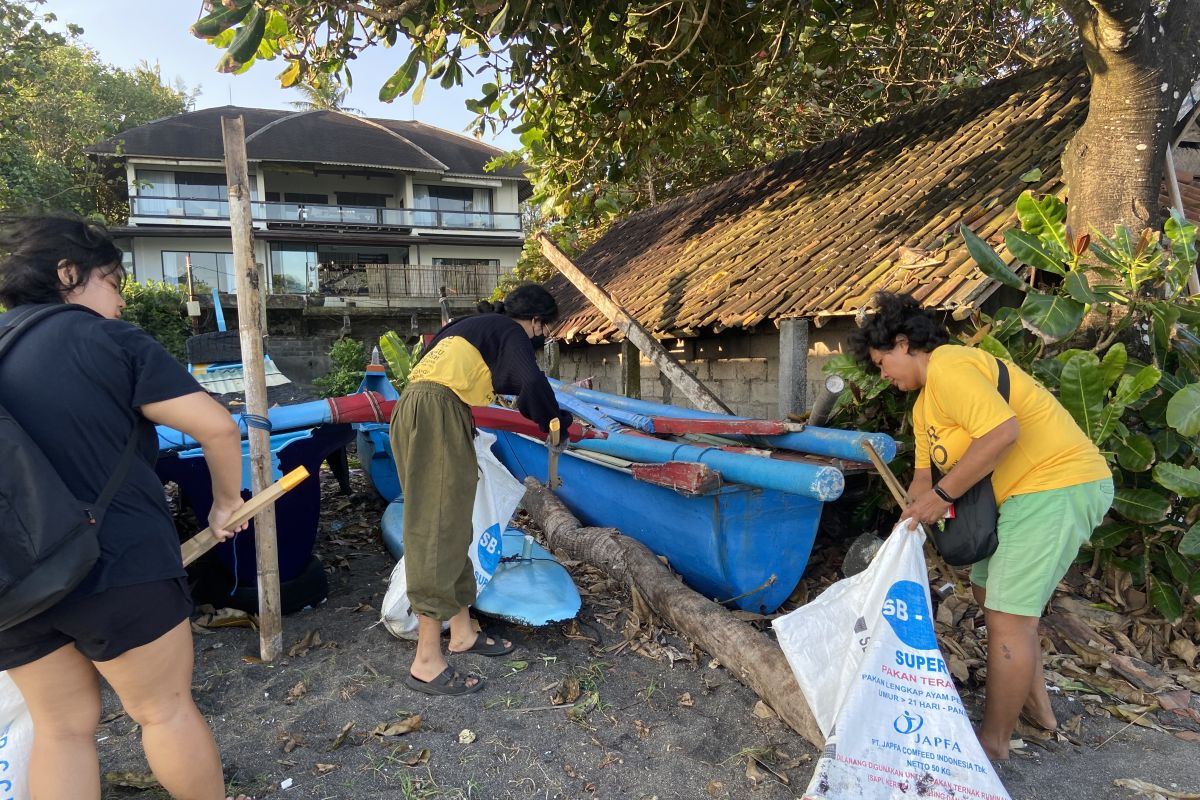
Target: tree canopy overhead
{"points": [[42, 160], [619, 103]]}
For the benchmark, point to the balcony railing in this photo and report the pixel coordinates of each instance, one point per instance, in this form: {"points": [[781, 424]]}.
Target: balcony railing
{"points": [[324, 215], [383, 283]]}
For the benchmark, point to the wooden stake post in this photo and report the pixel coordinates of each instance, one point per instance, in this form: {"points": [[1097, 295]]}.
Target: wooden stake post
{"points": [[270, 629], [685, 381]]}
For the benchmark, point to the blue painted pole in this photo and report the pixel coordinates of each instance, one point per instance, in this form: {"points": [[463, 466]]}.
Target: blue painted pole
{"points": [[829, 442], [217, 310], [808, 480]]}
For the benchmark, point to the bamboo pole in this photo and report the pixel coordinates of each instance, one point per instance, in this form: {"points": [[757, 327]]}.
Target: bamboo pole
{"points": [[233, 133], [686, 382], [1177, 201]]}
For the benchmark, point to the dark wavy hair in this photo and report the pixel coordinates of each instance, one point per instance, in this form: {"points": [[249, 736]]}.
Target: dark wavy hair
{"points": [[31, 249], [527, 301], [897, 315]]}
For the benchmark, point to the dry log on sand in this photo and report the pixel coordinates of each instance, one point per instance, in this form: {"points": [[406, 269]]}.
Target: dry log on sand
{"points": [[753, 658]]}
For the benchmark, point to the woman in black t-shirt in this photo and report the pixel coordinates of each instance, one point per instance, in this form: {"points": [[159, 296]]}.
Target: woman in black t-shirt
{"points": [[80, 384]]}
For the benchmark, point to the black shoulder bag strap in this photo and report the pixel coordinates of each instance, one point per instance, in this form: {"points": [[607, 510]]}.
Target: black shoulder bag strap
{"points": [[1002, 379], [8, 337]]}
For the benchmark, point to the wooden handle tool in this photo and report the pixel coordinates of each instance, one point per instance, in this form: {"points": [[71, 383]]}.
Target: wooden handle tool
{"points": [[205, 540], [552, 481]]}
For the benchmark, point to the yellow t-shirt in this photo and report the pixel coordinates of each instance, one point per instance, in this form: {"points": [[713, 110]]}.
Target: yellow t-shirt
{"points": [[960, 403], [458, 365]]}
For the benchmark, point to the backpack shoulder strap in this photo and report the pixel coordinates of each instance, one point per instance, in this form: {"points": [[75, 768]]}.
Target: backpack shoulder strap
{"points": [[13, 331], [25, 320]]}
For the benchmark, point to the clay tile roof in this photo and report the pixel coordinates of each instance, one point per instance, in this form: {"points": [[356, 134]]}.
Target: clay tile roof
{"points": [[817, 232]]}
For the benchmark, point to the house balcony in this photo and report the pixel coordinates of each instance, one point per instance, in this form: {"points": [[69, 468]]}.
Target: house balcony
{"points": [[315, 216]]}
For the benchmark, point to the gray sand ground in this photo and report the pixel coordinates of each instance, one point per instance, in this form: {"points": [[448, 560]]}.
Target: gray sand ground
{"points": [[638, 741]]}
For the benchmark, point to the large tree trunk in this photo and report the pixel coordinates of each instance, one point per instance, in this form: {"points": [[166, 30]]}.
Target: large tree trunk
{"points": [[1141, 66], [753, 659]]}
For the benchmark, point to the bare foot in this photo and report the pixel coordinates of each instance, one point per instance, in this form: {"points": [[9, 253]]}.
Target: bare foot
{"points": [[993, 750], [1038, 712]]}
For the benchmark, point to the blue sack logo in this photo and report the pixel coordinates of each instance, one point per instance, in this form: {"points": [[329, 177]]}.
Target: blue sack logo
{"points": [[908, 723], [907, 611], [490, 549]]}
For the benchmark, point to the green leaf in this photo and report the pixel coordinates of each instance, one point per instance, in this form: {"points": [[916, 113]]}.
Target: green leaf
{"points": [[1165, 599], [1049, 316], [1135, 452], [1033, 176], [1189, 545], [1112, 366], [988, 262], [1141, 505], [1081, 390], [1028, 249], [1166, 443], [1183, 410], [1111, 534], [990, 344], [1182, 235], [1178, 567], [402, 79], [1077, 286], [1183, 481], [1044, 218], [1143, 381], [1193, 586], [497, 26]]}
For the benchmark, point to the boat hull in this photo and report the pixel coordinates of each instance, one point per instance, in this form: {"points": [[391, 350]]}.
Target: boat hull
{"points": [[375, 455], [739, 545], [296, 513]]}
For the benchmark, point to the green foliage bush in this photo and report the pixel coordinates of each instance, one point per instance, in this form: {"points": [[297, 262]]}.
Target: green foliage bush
{"points": [[158, 308], [349, 363], [400, 358], [1113, 334]]}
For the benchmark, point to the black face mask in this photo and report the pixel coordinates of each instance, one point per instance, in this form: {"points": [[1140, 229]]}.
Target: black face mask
{"points": [[538, 341]]}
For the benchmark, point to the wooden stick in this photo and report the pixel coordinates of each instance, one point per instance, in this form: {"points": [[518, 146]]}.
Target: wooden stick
{"points": [[901, 497], [685, 381], [552, 481], [205, 540], [746, 652], [249, 300]]}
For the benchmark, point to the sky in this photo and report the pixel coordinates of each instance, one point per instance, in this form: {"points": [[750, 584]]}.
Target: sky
{"points": [[125, 32]]}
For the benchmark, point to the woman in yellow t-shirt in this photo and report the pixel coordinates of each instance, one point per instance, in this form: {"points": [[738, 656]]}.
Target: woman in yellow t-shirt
{"points": [[1051, 483]]}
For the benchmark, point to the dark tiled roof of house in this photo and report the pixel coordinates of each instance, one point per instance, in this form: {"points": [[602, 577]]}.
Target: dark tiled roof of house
{"points": [[817, 232], [311, 137]]}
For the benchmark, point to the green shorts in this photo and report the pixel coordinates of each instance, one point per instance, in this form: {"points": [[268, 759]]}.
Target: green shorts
{"points": [[1040, 535]]}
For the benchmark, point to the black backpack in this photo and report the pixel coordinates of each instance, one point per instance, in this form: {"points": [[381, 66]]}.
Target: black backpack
{"points": [[48, 541]]}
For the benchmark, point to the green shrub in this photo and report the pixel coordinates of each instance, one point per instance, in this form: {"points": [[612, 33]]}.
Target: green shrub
{"points": [[348, 359], [400, 358], [158, 308]]}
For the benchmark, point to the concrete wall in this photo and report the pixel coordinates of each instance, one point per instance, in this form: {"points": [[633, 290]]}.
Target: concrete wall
{"points": [[425, 253], [742, 369]]}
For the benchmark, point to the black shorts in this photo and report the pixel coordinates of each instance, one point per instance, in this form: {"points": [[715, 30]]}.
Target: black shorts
{"points": [[102, 626]]}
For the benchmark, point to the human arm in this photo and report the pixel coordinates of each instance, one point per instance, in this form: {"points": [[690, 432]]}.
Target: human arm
{"points": [[202, 418], [981, 458]]}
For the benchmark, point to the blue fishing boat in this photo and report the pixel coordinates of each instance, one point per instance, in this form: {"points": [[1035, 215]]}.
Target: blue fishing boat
{"points": [[374, 446], [296, 513], [737, 525]]}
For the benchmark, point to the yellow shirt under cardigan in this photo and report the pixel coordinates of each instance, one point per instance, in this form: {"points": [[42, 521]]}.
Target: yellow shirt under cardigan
{"points": [[960, 403], [456, 364]]}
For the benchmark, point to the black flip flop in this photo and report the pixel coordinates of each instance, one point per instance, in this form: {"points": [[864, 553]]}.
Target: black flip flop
{"points": [[481, 646], [449, 683]]}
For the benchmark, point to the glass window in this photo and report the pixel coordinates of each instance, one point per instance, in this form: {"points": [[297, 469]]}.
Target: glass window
{"points": [[293, 268], [202, 185], [305, 197], [452, 198], [209, 270]]}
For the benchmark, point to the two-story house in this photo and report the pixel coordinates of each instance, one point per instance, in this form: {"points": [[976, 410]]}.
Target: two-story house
{"points": [[358, 222]]}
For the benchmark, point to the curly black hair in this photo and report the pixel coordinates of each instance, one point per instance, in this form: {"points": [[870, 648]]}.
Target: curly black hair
{"points": [[31, 249], [897, 315]]}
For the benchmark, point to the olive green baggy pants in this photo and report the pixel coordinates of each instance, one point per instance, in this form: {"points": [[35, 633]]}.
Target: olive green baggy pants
{"points": [[432, 437]]}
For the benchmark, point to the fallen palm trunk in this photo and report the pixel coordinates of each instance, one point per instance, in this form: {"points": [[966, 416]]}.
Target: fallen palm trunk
{"points": [[752, 658]]}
